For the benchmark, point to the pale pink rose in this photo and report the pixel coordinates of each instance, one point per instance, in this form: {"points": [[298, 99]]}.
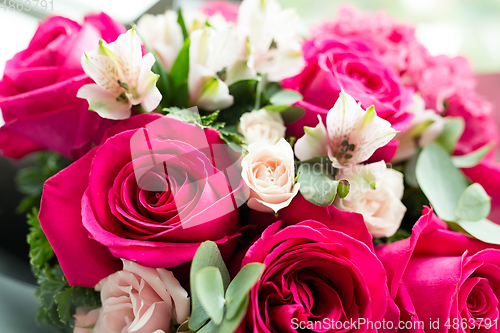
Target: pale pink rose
{"points": [[268, 170], [262, 126], [85, 320], [138, 299]]}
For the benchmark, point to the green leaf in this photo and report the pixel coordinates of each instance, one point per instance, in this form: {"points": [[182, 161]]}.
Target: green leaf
{"points": [[289, 113], [63, 300], [453, 129], [40, 249], [231, 324], [317, 184], [472, 159], [285, 97], [180, 20], [441, 182], [474, 204], [209, 288], [180, 68], [484, 230], [207, 255], [240, 287]]}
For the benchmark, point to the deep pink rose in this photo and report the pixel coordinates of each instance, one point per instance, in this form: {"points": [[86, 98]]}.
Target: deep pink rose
{"points": [[335, 62], [314, 273], [150, 193], [441, 274], [227, 9], [39, 86]]}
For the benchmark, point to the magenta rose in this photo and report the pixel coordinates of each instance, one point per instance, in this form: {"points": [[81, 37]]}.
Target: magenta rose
{"points": [[439, 274], [150, 193], [335, 62], [39, 86], [314, 274]]}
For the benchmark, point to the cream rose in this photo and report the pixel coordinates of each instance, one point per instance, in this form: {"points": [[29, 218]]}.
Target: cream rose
{"points": [[268, 170], [262, 126], [376, 194], [136, 299]]}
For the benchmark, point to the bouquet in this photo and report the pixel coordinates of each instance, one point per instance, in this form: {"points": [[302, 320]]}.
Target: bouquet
{"points": [[226, 171]]}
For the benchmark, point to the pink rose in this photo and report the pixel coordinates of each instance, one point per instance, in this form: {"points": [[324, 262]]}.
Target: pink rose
{"points": [[137, 299], [441, 78], [335, 62], [394, 42], [314, 273], [39, 86], [439, 274], [225, 8], [150, 193]]}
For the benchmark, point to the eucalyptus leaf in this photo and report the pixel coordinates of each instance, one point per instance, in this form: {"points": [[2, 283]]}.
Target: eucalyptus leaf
{"points": [[472, 159], [240, 286], [453, 129], [231, 324], [289, 113], [209, 288], [441, 182], [208, 254], [285, 97], [474, 204], [317, 184], [484, 230]]}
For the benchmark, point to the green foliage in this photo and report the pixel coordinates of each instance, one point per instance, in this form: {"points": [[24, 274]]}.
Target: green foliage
{"points": [[30, 180], [472, 159], [40, 250], [474, 204], [285, 97], [453, 129], [453, 200], [58, 301], [317, 181], [218, 306], [180, 20]]}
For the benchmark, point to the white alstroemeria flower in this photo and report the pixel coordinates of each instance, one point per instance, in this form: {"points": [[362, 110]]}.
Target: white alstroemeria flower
{"points": [[376, 193], [272, 37], [122, 76], [351, 135], [163, 34], [426, 126], [210, 54]]}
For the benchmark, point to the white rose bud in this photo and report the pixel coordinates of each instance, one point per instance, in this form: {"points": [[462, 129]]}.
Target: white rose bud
{"points": [[380, 203], [268, 170], [262, 126]]}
